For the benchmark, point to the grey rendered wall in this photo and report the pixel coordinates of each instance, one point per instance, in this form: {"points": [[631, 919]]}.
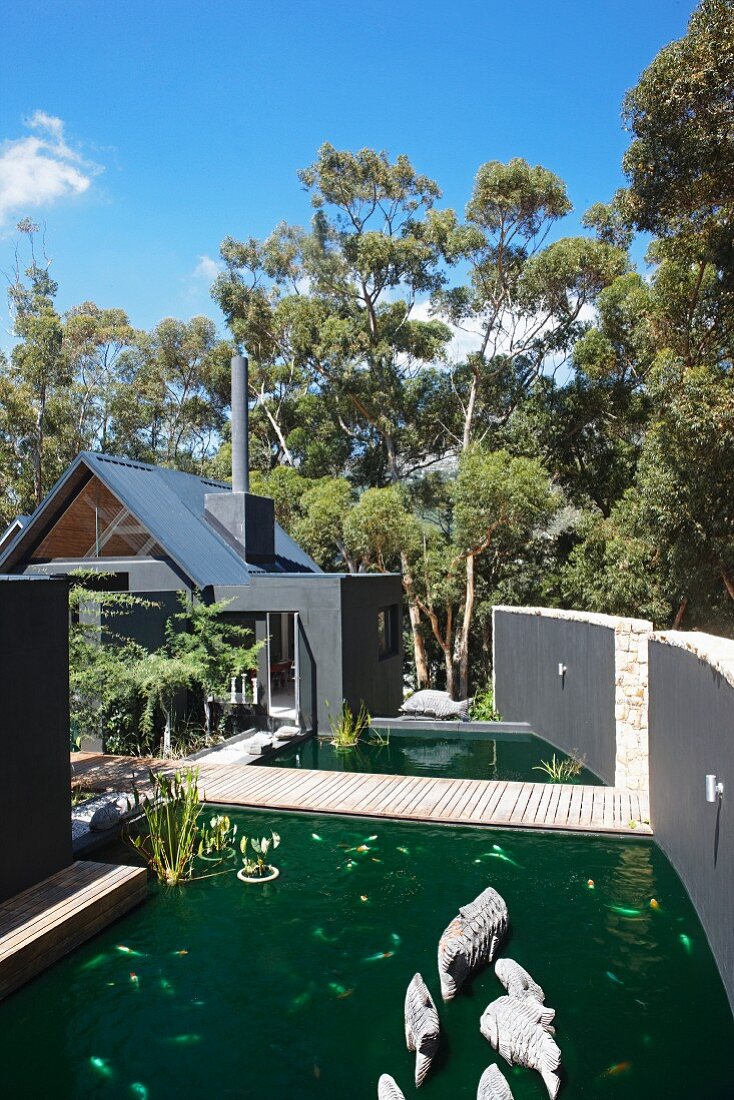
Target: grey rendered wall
{"points": [[34, 735], [367, 678], [691, 734], [573, 712]]}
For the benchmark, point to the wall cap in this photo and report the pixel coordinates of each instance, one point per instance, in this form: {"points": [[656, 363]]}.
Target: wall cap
{"points": [[641, 626], [715, 651]]}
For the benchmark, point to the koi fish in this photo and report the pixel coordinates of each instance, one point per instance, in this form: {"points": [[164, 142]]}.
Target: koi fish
{"points": [[134, 978], [182, 952], [503, 857], [654, 903], [184, 1040], [315, 836], [379, 955], [362, 848], [340, 991], [302, 999], [372, 837], [139, 1089], [395, 939], [166, 986], [375, 859], [686, 941], [101, 1065], [591, 884], [405, 851], [624, 911], [363, 897], [617, 1069], [92, 964], [614, 978], [128, 950], [319, 934]]}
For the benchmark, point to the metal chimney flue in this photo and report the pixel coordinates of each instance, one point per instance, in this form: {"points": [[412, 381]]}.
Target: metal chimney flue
{"points": [[240, 440]]}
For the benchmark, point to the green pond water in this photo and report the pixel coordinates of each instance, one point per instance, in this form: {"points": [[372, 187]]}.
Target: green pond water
{"points": [[296, 988], [453, 755]]}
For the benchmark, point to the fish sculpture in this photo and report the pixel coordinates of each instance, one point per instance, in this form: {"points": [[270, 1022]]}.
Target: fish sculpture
{"points": [[492, 1085], [422, 1028], [388, 1089], [472, 938], [520, 1029], [517, 981]]}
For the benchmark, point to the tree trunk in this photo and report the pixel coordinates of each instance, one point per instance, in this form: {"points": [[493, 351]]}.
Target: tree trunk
{"points": [[680, 613], [461, 653], [422, 673]]}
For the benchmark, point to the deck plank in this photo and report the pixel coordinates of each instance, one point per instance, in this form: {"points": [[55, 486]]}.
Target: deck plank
{"points": [[425, 798], [47, 921]]}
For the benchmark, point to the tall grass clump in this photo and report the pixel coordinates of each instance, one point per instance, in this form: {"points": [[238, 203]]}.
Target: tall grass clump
{"points": [[348, 727], [560, 771], [170, 841]]}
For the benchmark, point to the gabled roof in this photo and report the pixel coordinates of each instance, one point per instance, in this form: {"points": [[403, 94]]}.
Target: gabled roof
{"points": [[170, 505]]}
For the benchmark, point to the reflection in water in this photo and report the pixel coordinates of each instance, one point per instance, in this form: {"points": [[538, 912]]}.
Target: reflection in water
{"points": [[451, 755]]}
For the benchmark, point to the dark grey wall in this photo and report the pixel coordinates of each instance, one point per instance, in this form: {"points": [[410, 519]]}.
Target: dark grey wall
{"points": [[575, 712], [368, 678], [34, 735], [691, 734]]}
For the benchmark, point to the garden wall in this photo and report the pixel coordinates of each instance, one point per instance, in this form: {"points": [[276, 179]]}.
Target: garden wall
{"points": [[598, 707], [691, 735], [34, 735]]}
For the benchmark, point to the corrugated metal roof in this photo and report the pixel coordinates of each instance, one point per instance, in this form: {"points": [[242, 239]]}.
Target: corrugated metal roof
{"points": [[170, 505]]}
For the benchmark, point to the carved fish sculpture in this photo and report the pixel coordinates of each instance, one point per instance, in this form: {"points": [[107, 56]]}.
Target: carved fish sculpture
{"points": [[492, 1085], [520, 1029], [388, 1089], [517, 981], [472, 938], [422, 1028]]}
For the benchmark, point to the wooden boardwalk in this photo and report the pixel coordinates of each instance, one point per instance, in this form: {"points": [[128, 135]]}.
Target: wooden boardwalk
{"points": [[45, 922], [422, 798]]}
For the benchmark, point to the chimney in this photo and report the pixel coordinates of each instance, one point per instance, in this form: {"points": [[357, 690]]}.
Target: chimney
{"points": [[245, 521], [240, 427]]}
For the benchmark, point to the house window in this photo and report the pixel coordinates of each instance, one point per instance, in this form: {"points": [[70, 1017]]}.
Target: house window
{"points": [[96, 525], [387, 631]]}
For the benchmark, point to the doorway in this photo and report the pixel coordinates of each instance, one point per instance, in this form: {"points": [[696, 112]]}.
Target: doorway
{"points": [[282, 665]]}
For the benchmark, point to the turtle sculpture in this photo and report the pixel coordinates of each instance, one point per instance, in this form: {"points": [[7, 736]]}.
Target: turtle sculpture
{"points": [[472, 938], [492, 1085], [422, 1028], [520, 1029], [517, 981], [388, 1089]]}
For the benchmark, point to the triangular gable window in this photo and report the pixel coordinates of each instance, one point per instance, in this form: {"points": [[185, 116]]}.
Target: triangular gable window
{"points": [[96, 525]]}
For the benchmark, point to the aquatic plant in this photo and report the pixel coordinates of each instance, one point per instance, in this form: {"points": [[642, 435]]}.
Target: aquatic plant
{"points": [[482, 707], [560, 771], [348, 727], [171, 811], [217, 837], [254, 854]]}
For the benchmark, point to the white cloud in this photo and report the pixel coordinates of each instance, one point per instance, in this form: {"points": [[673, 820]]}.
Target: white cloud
{"points": [[41, 168], [207, 269]]}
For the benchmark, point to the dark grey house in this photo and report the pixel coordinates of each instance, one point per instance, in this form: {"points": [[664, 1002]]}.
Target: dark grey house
{"points": [[330, 637]]}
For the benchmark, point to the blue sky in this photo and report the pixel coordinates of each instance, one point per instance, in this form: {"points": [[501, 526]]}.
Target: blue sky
{"points": [[142, 133]]}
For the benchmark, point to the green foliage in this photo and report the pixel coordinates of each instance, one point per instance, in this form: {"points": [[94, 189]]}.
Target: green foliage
{"points": [[171, 813], [216, 838], [348, 727], [560, 771], [254, 851], [482, 706]]}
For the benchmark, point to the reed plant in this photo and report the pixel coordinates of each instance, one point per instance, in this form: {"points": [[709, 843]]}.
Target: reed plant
{"points": [[560, 771], [348, 727], [169, 842]]}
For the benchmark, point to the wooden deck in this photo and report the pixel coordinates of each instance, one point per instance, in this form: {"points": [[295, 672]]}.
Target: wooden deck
{"points": [[422, 798], [48, 920], [101, 772]]}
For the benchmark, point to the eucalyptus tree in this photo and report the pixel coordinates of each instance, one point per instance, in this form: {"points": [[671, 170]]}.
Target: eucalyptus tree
{"points": [[523, 299], [170, 404], [331, 310], [35, 404]]}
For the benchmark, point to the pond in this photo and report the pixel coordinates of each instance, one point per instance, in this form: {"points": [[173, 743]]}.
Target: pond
{"points": [[452, 755], [296, 988]]}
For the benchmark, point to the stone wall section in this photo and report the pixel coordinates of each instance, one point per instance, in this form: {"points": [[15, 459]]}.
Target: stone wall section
{"points": [[630, 688], [631, 703]]}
